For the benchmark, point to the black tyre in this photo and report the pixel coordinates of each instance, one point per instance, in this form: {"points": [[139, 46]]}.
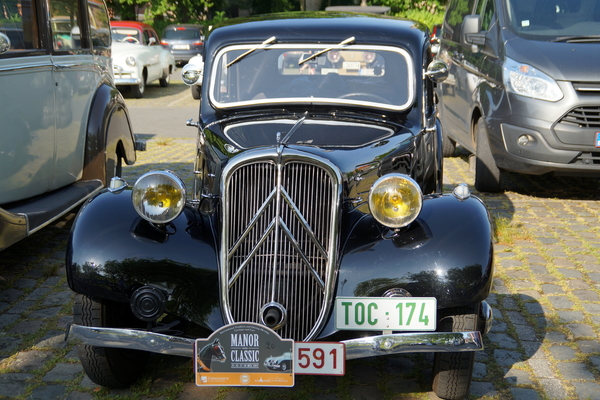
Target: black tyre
{"points": [[452, 371], [448, 146], [284, 367], [110, 367], [164, 82], [137, 91], [196, 91], [487, 174]]}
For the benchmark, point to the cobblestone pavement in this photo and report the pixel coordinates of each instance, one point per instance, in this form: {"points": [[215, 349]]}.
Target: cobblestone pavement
{"points": [[544, 343]]}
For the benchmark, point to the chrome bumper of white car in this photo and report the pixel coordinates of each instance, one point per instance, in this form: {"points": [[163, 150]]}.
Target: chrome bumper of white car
{"points": [[386, 344], [125, 77]]}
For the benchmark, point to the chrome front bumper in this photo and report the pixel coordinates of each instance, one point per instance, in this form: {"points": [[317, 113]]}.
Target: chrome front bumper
{"points": [[386, 344]]}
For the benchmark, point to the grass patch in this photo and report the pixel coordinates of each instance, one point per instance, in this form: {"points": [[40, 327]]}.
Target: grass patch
{"points": [[507, 231]]}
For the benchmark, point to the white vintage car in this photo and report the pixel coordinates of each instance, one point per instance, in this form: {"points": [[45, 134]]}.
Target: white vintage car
{"points": [[138, 58]]}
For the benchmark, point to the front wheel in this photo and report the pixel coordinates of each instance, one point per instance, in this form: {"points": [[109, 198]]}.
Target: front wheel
{"points": [[196, 91], [106, 366], [487, 174], [452, 371], [137, 91], [164, 81]]}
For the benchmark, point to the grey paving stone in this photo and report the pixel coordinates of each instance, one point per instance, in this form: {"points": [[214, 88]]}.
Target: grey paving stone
{"points": [[58, 298], [9, 344], [14, 384], [587, 390], [10, 295], [574, 370], [534, 308], [24, 283], [27, 361], [525, 332], [498, 326], [516, 318], [53, 339], [8, 319], [38, 293], [481, 389], [26, 327], [560, 302], [63, 372], [562, 353], [20, 307], [401, 385], [518, 377], [588, 346], [79, 396], [554, 389], [586, 295], [532, 349], [555, 337], [503, 340], [524, 394], [581, 330], [507, 358], [52, 281], [570, 316], [45, 313], [479, 370], [48, 392], [541, 368]]}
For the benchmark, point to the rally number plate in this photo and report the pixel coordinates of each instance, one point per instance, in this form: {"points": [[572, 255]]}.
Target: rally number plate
{"points": [[320, 358], [386, 313]]}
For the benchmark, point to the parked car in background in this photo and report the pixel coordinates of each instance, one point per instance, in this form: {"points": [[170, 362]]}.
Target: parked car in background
{"points": [[192, 75], [64, 127], [183, 41], [523, 91], [138, 57], [316, 218]]}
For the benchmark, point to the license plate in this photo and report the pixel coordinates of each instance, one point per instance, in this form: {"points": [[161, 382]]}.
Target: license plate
{"points": [[181, 47], [387, 313], [320, 358]]}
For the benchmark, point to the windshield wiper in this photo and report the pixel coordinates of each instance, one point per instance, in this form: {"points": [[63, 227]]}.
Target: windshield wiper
{"points": [[317, 54], [268, 41], [578, 39]]}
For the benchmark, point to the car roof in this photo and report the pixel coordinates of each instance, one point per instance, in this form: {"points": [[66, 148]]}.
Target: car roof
{"points": [[319, 27], [131, 24]]}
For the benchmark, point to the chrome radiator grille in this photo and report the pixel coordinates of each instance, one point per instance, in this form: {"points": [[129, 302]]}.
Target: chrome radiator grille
{"points": [[280, 217]]}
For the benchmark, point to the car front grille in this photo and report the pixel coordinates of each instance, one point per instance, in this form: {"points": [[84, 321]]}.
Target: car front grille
{"points": [[280, 235], [583, 117]]}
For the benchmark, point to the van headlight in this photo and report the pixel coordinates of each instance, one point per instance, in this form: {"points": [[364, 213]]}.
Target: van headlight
{"points": [[159, 196], [528, 81], [395, 200]]}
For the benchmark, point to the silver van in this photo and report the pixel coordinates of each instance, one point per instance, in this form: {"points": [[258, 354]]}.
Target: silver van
{"points": [[523, 91], [64, 127]]}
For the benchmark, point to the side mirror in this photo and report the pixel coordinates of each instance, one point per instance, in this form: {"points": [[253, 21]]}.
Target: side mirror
{"points": [[471, 31], [4, 43], [151, 41], [437, 71]]}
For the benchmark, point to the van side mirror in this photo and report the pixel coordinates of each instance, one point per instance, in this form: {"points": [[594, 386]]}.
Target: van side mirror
{"points": [[471, 31]]}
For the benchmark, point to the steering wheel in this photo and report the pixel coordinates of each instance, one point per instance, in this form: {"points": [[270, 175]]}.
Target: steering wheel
{"points": [[375, 97], [130, 39]]}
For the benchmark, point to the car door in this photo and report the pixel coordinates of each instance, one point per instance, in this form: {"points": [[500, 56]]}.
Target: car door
{"points": [[154, 48], [27, 106], [77, 74]]}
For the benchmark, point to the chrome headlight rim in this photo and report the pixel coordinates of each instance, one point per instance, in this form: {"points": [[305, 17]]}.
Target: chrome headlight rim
{"points": [[176, 203], [415, 203], [130, 61], [190, 74]]}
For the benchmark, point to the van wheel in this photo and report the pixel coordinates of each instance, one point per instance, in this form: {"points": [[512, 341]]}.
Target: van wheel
{"points": [[487, 174], [448, 146], [452, 371], [196, 91], [106, 366]]}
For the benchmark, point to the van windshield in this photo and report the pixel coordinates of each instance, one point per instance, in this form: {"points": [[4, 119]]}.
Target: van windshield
{"points": [[556, 20]]}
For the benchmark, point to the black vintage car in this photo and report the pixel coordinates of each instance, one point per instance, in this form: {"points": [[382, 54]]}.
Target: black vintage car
{"points": [[316, 213]]}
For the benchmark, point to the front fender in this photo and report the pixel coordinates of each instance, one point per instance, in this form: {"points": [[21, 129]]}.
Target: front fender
{"points": [[112, 251], [446, 253]]}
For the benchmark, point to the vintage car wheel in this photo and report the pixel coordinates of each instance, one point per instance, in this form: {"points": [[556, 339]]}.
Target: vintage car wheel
{"points": [[196, 91], [164, 82], [110, 367], [487, 174], [448, 146], [137, 91], [452, 371]]}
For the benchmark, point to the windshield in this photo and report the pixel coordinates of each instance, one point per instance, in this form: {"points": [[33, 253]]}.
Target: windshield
{"points": [[560, 20], [370, 76], [181, 34], [126, 35]]}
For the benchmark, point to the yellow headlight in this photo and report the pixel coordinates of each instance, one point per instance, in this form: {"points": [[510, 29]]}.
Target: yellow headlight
{"points": [[395, 200], [159, 196]]}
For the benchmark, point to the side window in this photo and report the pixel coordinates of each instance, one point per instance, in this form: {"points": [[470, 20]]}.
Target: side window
{"points": [[146, 37], [485, 9], [65, 28], [99, 24], [18, 21], [457, 10]]}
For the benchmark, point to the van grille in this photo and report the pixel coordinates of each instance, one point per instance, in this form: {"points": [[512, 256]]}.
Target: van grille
{"points": [[583, 117], [279, 241]]}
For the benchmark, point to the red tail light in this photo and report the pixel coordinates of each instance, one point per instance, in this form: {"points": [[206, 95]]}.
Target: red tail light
{"points": [[164, 43]]}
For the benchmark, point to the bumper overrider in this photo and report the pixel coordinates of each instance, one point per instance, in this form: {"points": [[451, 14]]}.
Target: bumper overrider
{"points": [[125, 77], [385, 344]]}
